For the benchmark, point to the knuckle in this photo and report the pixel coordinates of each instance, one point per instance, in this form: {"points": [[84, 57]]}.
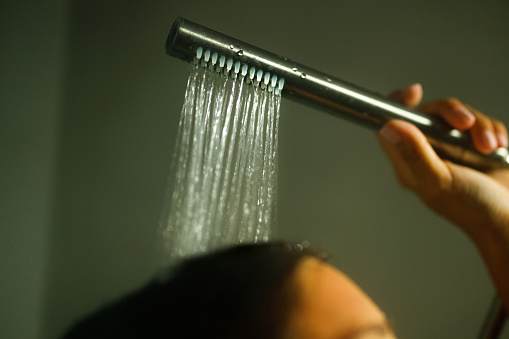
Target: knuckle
{"points": [[452, 102]]}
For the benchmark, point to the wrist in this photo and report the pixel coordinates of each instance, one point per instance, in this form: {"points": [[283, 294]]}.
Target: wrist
{"points": [[490, 234]]}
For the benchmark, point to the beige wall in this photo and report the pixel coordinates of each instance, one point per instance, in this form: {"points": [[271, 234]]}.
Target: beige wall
{"points": [[118, 104]]}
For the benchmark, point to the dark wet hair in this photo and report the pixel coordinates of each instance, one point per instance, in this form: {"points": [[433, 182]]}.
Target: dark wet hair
{"points": [[240, 292]]}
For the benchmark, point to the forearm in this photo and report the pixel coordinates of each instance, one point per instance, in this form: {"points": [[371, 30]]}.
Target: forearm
{"points": [[494, 250]]}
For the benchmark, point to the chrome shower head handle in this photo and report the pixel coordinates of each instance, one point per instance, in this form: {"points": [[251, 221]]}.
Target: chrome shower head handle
{"points": [[317, 89]]}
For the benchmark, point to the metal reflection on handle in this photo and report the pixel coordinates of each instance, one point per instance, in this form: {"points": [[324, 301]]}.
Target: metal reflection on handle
{"points": [[327, 93]]}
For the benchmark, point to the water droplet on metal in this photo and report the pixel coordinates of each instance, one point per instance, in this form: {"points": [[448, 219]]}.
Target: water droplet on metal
{"points": [[295, 69], [303, 75], [328, 79], [232, 47], [240, 53]]}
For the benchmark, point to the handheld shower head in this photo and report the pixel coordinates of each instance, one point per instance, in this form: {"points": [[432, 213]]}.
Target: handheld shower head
{"points": [[311, 87]]}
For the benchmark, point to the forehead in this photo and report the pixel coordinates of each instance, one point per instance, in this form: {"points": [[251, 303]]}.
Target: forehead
{"points": [[329, 304]]}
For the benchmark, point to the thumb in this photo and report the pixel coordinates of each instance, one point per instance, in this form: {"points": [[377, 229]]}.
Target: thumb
{"points": [[416, 164]]}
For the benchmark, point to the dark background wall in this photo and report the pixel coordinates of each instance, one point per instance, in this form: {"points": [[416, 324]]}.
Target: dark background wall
{"points": [[89, 110], [32, 62]]}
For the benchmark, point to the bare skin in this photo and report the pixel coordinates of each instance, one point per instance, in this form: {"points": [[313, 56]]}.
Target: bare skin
{"points": [[477, 202], [331, 306]]}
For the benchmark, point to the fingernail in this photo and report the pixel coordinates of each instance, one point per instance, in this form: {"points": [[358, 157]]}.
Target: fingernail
{"points": [[390, 134], [464, 115], [489, 140], [502, 139], [416, 86]]}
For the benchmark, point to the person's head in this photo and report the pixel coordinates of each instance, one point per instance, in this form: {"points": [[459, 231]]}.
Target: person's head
{"points": [[248, 291], [331, 306]]}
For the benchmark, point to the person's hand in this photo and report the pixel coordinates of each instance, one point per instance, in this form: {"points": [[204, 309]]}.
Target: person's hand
{"points": [[469, 198], [477, 202]]}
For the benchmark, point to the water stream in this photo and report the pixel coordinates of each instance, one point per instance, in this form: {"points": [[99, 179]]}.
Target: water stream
{"points": [[223, 182]]}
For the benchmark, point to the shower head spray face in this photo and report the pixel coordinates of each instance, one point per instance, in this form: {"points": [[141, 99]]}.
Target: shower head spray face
{"points": [[257, 78], [191, 42]]}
